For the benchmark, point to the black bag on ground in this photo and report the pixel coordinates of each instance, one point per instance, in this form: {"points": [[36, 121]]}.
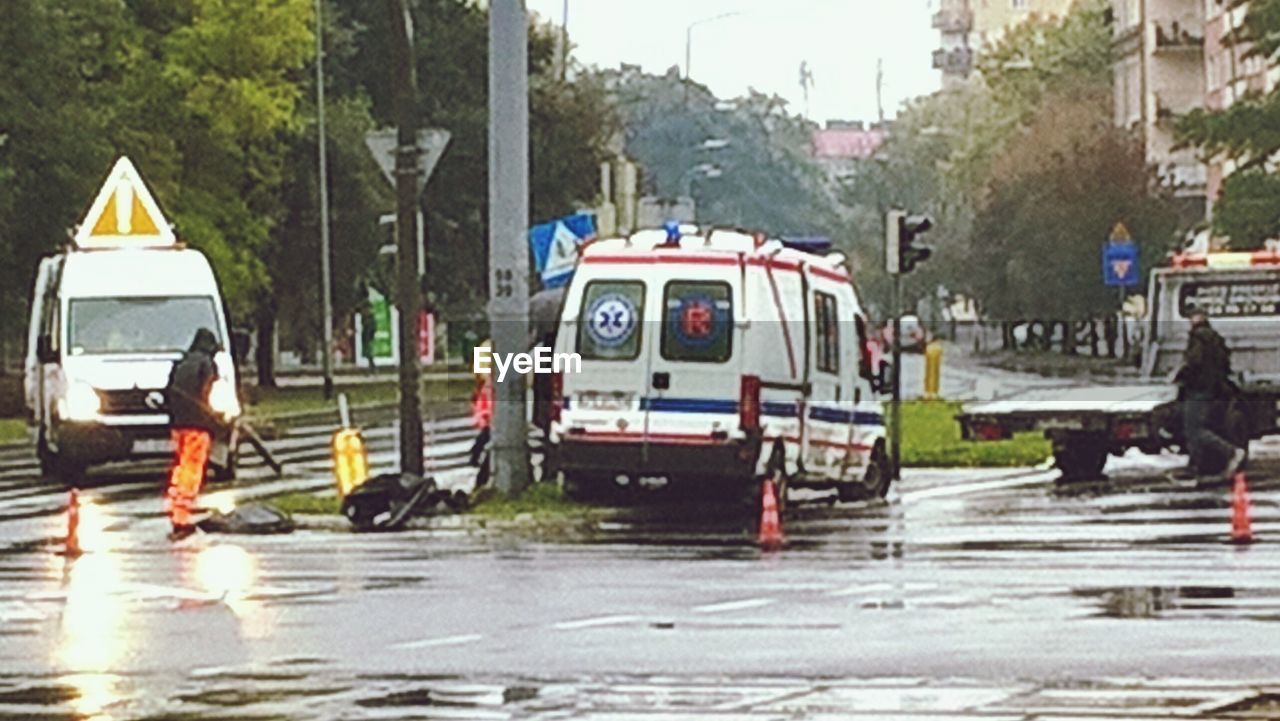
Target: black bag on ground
{"points": [[388, 501]]}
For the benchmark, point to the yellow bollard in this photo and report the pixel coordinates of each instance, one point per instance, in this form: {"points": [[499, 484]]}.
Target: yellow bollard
{"points": [[932, 369], [350, 460]]}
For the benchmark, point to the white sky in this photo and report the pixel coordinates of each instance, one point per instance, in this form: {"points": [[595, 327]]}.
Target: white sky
{"points": [[764, 46]]}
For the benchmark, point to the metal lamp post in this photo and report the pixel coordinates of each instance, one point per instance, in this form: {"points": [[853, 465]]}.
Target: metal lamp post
{"points": [[688, 45], [326, 281]]}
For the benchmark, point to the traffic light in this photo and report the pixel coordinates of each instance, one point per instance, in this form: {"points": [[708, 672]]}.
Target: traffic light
{"points": [[901, 231]]}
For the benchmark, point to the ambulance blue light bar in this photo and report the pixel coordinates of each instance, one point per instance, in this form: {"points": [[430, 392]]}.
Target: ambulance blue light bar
{"points": [[816, 244]]}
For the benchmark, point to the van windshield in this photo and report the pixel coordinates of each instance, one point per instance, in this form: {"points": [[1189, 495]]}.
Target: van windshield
{"points": [[139, 325]]}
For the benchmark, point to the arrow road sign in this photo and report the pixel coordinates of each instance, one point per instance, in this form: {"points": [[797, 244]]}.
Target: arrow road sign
{"points": [[431, 145]]}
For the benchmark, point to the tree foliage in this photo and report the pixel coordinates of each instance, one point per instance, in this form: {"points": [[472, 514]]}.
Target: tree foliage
{"points": [[1248, 134], [215, 102], [768, 181], [1023, 173]]}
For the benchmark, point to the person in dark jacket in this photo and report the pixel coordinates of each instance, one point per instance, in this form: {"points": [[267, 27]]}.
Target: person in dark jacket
{"points": [[192, 424], [1205, 380]]}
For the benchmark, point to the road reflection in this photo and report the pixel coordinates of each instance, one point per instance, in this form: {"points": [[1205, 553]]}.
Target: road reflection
{"points": [[91, 642], [228, 574]]}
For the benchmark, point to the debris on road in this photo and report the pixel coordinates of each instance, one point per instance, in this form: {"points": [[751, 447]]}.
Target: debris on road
{"points": [[388, 501], [251, 519]]}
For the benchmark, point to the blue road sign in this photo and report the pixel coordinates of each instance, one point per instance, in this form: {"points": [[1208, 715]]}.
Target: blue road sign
{"points": [[1120, 264]]}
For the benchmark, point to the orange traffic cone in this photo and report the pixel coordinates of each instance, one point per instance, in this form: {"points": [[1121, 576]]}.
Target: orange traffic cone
{"points": [[770, 525], [1241, 529], [72, 544]]}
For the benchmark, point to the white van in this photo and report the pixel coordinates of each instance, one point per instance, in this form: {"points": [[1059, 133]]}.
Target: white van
{"points": [[716, 359], [109, 317]]}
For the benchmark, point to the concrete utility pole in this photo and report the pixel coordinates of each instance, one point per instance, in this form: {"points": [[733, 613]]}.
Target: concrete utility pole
{"points": [[326, 280], [408, 291], [508, 230]]}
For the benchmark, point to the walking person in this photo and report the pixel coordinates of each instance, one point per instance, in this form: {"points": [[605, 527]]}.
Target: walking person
{"points": [[1205, 387], [482, 421], [192, 424]]}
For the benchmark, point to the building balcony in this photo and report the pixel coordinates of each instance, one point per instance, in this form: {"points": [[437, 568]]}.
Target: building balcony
{"points": [[1173, 37], [953, 20], [1185, 179], [955, 61], [1168, 108]]}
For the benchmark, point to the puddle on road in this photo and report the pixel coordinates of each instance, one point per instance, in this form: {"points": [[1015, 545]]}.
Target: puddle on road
{"points": [[1184, 602], [40, 695], [245, 696]]}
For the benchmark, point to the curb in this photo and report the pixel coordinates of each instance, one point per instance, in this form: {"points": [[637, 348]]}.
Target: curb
{"points": [[590, 521]]}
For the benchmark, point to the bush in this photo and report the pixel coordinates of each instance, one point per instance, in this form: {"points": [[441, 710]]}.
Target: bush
{"points": [[931, 438]]}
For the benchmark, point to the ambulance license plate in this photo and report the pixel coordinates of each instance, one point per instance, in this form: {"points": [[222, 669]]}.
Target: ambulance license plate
{"points": [[605, 401], [152, 446]]}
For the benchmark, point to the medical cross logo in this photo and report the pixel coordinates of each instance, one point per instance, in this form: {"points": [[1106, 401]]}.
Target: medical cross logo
{"points": [[611, 320]]}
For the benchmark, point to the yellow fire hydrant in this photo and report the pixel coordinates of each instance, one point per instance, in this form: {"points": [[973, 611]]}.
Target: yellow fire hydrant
{"points": [[932, 369], [350, 456]]}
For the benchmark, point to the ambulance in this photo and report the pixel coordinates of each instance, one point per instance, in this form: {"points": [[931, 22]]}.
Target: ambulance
{"points": [[715, 359], [109, 317]]}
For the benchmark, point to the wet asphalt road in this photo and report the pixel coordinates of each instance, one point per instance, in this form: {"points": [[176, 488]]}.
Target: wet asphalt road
{"points": [[996, 594], [992, 593]]}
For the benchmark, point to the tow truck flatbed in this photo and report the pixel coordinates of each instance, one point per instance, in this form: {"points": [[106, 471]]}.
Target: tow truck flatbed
{"points": [[1088, 422]]}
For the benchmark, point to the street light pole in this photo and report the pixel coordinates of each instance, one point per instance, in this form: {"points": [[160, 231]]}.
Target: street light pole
{"points": [[408, 290], [326, 280], [688, 46], [508, 234], [564, 42]]}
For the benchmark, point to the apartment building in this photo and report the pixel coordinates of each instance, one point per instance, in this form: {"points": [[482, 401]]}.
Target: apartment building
{"points": [[1159, 51], [966, 26], [1229, 74], [843, 144]]}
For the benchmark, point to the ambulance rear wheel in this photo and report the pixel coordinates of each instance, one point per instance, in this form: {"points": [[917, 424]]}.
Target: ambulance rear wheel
{"points": [[876, 480]]}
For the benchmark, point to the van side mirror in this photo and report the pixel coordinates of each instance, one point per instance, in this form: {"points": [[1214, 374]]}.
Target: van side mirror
{"points": [[44, 349], [240, 344]]}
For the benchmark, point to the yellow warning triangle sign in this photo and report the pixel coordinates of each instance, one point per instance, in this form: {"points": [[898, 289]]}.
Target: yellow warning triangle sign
{"points": [[124, 214], [1120, 234]]}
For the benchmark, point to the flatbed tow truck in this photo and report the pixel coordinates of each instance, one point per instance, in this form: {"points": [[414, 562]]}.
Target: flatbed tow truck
{"points": [[1240, 292]]}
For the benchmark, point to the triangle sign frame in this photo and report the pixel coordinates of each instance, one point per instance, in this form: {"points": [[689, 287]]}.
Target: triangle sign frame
{"points": [[124, 214]]}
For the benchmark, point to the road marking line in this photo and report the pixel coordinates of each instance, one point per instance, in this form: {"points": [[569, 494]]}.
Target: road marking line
{"points": [[594, 622], [734, 605], [443, 641], [860, 589], [1029, 479]]}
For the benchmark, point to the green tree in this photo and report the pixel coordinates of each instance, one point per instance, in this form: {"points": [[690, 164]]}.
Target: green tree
{"points": [[769, 180], [570, 125], [1248, 134], [1055, 192], [63, 61]]}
